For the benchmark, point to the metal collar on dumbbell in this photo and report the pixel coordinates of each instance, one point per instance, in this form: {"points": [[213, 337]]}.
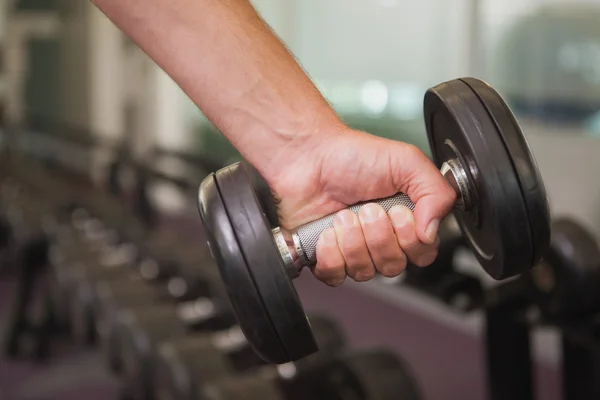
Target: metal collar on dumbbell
{"points": [[294, 256]]}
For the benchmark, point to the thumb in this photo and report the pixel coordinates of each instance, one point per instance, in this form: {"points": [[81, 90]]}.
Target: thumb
{"points": [[430, 192]]}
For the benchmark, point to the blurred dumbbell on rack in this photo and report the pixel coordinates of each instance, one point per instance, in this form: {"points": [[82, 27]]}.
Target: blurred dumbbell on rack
{"points": [[443, 280], [187, 363], [32, 218], [188, 287], [562, 291], [140, 329], [353, 374], [86, 248]]}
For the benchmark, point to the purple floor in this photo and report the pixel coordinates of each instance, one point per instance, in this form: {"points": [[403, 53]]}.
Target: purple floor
{"points": [[448, 364], [70, 374]]}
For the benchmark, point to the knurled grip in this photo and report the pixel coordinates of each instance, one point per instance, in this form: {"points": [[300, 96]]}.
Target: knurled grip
{"points": [[309, 234]]}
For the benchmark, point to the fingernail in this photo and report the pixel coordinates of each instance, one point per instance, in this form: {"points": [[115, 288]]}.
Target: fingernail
{"points": [[363, 276], [399, 216], [336, 282], [345, 218], [371, 213], [431, 231], [390, 270]]}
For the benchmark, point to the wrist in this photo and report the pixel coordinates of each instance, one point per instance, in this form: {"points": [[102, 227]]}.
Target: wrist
{"points": [[305, 148]]}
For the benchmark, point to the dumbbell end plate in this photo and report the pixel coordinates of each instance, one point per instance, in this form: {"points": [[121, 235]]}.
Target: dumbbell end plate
{"points": [[262, 296], [508, 224]]}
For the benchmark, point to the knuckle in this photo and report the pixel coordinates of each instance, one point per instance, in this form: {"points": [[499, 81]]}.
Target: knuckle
{"points": [[411, 150], [330, 266], [379, 239], [333, 283], [353, 249], [449, 195]]}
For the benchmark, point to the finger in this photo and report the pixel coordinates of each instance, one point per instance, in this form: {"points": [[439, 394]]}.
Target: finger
{"points": [[403, 222], [351, 242], [381, 242], [428, 189], [331, 267]]}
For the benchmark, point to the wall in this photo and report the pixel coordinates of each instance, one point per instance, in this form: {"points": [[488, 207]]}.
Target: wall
{"points": [[388, 40], [19, 30], [75, 78]]}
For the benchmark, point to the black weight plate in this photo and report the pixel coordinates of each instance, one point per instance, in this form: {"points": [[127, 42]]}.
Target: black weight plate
{"points": [[565, 284], [188, 363], [379, 374], [266, 267], [245, 301], [328, 333], [524, 163], [497, 227], [247, 387]]}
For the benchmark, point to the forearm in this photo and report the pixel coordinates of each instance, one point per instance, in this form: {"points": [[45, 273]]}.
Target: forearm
{"points": [[234, 68]]}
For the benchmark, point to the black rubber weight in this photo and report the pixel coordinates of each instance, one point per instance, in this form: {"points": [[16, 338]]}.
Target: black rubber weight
{"points": [[255, 240], [574, 262], [498, 231], [524, 164], [245, 300]]}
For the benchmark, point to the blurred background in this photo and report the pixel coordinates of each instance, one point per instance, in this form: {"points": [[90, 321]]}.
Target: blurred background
{"points": [[67, 72], [65, 64]]}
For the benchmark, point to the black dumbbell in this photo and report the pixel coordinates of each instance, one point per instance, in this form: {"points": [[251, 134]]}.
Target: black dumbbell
{"points": [[5, 244], [566, 284], [374, 374], [190, 282], [94, 253], [142, 329], [81, 252], [72, 247], [187, 363], [501, 209], [163, 270]]}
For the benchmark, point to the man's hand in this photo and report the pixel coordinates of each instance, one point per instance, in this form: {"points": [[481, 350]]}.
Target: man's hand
{"points": [[345, 168], [247, 83]]}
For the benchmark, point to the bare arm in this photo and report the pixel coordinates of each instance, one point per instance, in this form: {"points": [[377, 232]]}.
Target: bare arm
{"points": [[246, 82], [228, 61]]}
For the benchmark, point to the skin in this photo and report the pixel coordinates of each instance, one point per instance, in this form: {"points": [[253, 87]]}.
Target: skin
{"points": [[242, 77]]}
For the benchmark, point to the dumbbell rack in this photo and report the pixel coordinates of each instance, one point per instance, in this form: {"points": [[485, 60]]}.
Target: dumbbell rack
{"points": [[507, 330], [581, 360], [508, 345], [394, 383], [509, 350]]}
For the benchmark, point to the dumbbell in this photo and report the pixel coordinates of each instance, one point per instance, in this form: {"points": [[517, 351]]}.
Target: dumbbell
{"points": [[5, 234], [186, 364], [30, 314], [501, 209], [83, 298], [373, 374], [163, 271], [76, 243], [105, 258], [142, 329], [190, 283], [566, 284]]}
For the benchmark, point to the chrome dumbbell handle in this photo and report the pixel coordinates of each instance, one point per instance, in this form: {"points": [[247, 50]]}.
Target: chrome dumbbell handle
{"points": [[298, 248]]}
